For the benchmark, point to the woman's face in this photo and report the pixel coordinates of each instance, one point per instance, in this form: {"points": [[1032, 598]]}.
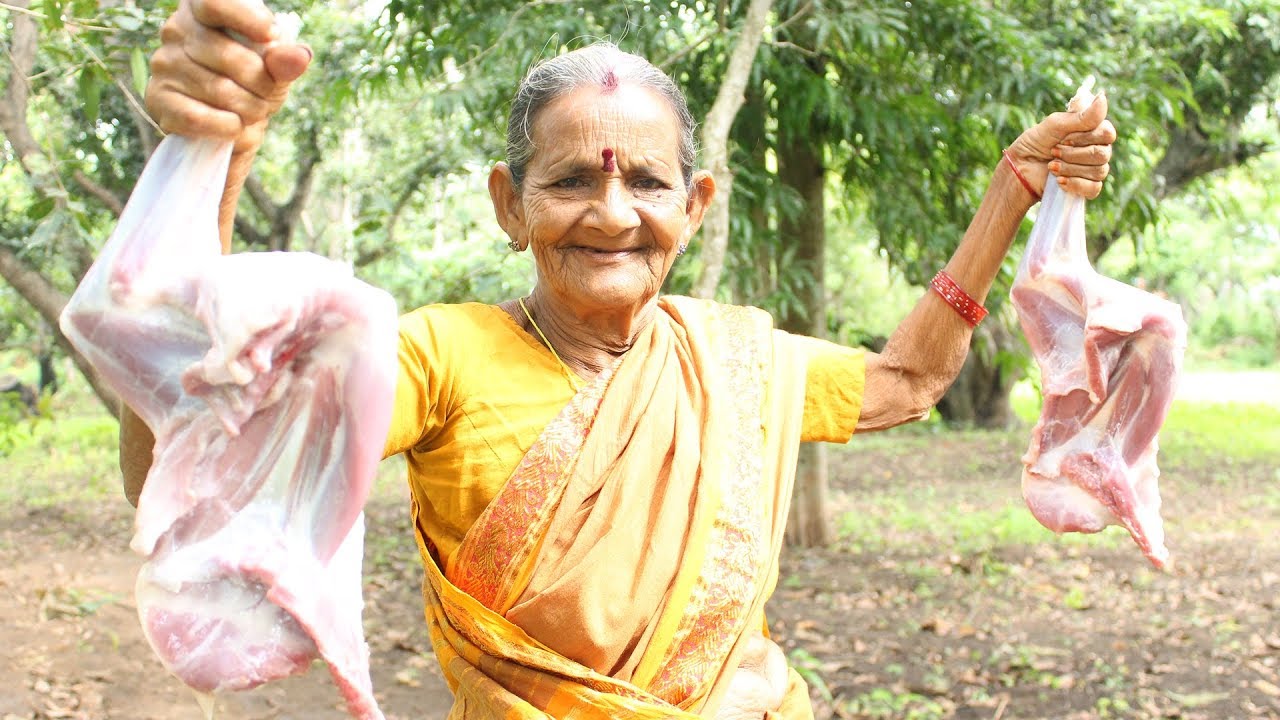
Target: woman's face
{"points": [[604, 206]]}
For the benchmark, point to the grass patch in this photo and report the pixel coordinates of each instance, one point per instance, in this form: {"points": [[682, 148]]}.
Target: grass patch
{"points": [[885, 702], [1195, 433], [931, 521], [1240, 430], [72, 456], [69, 457], [1223, 444]]}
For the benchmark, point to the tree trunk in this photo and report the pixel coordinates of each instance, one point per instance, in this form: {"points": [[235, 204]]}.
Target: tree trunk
{"points": [[34, 287], [48, 372], [715, 147], [49, 303], [801, 167], [809, 524]]}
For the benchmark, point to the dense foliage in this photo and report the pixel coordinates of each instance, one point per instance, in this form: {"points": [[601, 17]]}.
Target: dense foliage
{"points": [[381, 155]]}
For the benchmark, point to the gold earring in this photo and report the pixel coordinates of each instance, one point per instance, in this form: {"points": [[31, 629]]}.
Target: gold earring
{"points": [[515, 246]]}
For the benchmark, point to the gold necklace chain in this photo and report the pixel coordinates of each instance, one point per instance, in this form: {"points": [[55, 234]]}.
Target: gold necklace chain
{"points": [[573, 383]]}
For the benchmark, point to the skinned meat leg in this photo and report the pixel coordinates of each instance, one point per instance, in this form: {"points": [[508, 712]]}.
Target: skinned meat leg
{"points": [[1110, 356], [267, 379]]}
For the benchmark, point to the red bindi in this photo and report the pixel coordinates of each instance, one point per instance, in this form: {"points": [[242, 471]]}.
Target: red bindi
{"points": [[609, 165], [610, 81]]}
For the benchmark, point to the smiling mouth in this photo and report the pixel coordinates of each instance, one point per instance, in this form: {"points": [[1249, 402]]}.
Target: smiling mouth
{"points": [[604, 252]]}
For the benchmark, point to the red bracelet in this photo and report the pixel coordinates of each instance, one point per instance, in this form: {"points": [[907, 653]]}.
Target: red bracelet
{"points": [[967, 307], [1009, 159]]}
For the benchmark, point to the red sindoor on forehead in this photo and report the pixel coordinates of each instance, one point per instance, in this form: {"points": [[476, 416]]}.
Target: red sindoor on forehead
{"points": [[610, 81], [609, 165]]}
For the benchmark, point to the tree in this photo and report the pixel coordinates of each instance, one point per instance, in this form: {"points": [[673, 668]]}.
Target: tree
{"points": [[887, 118], [852, 90], [715, 147], [801, 168], [927, 97], [63, 218], [73, 123], [1183, 80]]}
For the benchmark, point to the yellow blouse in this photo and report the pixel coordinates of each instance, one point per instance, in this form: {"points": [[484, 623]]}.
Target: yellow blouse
{"points": [[475, 391]]}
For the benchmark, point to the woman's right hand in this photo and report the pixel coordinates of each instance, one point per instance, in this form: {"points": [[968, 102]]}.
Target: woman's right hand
{"points": [[204, 83]]}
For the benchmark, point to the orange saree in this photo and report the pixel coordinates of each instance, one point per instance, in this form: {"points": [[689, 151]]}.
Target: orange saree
{"points": [[625, 564]]}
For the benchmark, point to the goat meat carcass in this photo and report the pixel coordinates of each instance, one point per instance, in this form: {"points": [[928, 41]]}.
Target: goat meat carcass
{"points": [[267, 379], [1109, 356]]}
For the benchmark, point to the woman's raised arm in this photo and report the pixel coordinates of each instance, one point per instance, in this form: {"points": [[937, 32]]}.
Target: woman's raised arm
{"points": [[924, 354]]}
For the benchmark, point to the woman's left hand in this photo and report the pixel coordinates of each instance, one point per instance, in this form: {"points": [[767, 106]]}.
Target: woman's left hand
{"points": [[759, 684], [1075, 146]]}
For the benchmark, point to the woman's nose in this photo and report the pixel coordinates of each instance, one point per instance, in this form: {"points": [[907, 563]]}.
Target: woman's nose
{"points": [[614, 210]]}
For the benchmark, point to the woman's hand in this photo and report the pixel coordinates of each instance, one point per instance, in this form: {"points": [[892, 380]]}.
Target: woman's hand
{"points": [[759, 684], [204, 83], [1075, 146]]}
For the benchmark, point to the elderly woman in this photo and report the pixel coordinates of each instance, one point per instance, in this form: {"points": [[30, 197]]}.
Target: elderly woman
{"points": [[600, 475]]}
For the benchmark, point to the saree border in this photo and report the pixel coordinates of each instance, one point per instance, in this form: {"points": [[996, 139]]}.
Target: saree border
{"points": [[496, 551], [502, 664], [736, 557]]}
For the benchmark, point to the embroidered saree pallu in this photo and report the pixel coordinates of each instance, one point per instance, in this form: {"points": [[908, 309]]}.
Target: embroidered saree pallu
{"points": [[625, 564]]}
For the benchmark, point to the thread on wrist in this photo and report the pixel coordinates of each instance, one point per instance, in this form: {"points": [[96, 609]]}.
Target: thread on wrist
{"points": [[1018, 173]]}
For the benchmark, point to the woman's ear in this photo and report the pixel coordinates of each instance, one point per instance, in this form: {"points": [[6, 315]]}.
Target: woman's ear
{"points": [[702, 189], [507, 205]]}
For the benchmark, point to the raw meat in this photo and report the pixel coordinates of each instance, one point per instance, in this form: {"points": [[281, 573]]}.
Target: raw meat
{"points": [[1109, 355], [268, 380]]}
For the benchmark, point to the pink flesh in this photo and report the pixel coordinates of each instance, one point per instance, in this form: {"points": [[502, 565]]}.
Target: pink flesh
{"points": [[1109, 357], [268, 380], [610, 82]]}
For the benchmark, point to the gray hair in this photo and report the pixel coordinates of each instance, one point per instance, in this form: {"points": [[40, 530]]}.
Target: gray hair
{"points": [[597, 65]]}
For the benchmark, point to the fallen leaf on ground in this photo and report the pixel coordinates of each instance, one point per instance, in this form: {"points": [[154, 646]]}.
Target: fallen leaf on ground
{"points": [[408, 676], [1191, 700], [1269, 688]]}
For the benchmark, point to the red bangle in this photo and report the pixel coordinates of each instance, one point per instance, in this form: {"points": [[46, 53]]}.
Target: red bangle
{"points": [[1009, 159], [967, 307]]}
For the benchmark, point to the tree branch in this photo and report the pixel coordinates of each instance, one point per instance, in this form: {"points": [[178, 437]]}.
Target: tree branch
{"points": [[13, 107], [290, 212], [430, 167], [1190, 155], [149, 133], [98, 192], [281, 218], [373, 255], [258, 195], [792, 46], [49, 303], [253, 237], [797, 15], [715, 145], [675, 57]]}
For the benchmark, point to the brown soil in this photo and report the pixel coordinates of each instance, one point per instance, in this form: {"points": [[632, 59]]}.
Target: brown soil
{"points": [[905, 623]]}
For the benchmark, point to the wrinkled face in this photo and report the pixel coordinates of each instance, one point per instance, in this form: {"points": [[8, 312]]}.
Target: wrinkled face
{"points": [[604, 206]]}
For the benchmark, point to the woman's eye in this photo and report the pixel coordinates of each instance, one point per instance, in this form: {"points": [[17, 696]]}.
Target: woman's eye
{"points": [[650, 183], [571, 182]]}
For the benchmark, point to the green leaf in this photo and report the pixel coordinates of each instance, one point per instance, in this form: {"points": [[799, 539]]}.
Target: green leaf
{"points": [[138, 66], [370, 225], [90, 90], [128, 22], [51, 11], [41, 208]]}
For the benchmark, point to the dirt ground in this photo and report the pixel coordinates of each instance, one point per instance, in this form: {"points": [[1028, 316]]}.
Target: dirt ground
{"points": [[909, 624]]}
